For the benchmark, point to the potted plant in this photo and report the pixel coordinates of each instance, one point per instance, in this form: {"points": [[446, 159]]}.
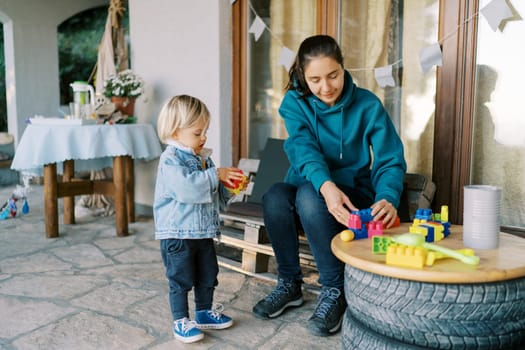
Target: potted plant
{"points": [[123, 88]]}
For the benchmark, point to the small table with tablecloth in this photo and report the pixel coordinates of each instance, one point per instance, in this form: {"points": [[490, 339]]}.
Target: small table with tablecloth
{"points": [[64, 149]]}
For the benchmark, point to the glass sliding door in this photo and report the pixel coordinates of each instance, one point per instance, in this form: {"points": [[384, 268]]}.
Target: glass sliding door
{"points": [[498, 147], [392, 32], [287, 23]]}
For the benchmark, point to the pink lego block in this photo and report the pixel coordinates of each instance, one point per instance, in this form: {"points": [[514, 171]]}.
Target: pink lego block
{"points": [[354, 222], [375, 228]]}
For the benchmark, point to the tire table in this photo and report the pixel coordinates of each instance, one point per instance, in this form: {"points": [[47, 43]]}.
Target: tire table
{"points": [[449, 305]]}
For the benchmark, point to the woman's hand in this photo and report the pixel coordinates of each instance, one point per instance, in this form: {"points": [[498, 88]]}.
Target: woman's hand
{"points": [[337, 202], [231, 177], [384, 211]]}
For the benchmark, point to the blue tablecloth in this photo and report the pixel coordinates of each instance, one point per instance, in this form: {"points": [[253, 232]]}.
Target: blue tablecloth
{"points": [[90, 146]]}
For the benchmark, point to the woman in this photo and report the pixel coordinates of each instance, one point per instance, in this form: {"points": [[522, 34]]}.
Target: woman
{"points": [[344, 155]]}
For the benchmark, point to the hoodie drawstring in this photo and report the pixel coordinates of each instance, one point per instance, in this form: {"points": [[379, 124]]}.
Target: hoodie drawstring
{"points": [[341, 136], [316, 123]]}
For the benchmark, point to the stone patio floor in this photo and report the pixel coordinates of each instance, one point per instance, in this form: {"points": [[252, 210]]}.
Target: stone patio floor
{"points": [[89, 289]]}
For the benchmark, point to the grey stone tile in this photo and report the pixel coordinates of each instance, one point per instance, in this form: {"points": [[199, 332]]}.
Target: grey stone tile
{"points": [[118, 295], [86, 331], [83, 255], [34, 263], [21, 316]]}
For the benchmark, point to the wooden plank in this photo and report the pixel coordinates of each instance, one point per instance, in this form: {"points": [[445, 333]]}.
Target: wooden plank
{"points": [[105, 187], [241, 218], [74, 188], [235, 239]]}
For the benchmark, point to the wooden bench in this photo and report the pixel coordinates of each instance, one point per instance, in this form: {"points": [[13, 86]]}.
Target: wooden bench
{"points": [[242, 221]]}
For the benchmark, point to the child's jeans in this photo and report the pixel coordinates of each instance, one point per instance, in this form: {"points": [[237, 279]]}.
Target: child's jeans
{"points": [[190, 263]]}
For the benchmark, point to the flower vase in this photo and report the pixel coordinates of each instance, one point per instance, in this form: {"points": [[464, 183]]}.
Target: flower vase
{"points": [[126, 105]]}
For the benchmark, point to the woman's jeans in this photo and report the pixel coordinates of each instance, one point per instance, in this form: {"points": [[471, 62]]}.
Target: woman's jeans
{"points": [[190, 263], [288, 209]]}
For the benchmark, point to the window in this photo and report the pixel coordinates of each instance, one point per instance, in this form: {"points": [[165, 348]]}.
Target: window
{"points": [[498, 150], [438, 114], [289, 22], [3, 101], [375, 34], [371, 35]]}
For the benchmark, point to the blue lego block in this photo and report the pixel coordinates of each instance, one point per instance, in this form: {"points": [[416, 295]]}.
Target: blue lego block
{"points": [[423, 214], [364, 214], [360, 233]]}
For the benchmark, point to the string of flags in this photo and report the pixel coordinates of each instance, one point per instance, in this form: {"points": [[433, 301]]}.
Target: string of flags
{"points": [[494, 12]]}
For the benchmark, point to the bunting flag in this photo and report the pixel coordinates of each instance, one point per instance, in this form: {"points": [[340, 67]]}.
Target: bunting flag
{"points": [[430, 56], [257, 27], [287, 57], [494, 12], [384, 76]]}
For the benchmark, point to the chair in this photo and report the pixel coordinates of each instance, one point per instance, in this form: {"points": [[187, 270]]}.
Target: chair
{"points": [[244, 214]]}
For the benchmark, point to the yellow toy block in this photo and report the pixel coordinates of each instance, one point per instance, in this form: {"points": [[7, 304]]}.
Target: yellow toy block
{"points": [[405, 256], [415, 228], [444, 213]]}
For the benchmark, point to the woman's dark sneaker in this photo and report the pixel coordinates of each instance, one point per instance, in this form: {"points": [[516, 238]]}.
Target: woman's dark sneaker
{"points": [[287, 294], [328, 314]]}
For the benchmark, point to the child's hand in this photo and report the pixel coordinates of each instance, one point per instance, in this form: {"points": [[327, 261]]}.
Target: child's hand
{"points": [[233, 178]]}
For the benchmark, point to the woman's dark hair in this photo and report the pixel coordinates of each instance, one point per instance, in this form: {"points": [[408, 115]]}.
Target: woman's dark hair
{"points": [[312, 47]]}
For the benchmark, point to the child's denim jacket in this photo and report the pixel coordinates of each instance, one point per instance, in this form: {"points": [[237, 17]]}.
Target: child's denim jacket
{"points": [[188, 195]]}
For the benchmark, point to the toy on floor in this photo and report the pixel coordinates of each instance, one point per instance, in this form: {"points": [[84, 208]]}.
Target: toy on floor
{"points": [[19, 195]]}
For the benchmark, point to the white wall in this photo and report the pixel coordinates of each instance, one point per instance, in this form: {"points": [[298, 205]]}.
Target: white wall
{"points": [[182, 47], [30, 35], [178, 47]]}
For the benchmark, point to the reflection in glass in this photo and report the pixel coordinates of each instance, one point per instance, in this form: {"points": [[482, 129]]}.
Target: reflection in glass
{"points": [[499, 139], [288, 22], [380, 33]]}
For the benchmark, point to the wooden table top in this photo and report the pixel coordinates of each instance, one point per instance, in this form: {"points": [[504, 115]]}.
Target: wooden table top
{"points": [[505, 263]]}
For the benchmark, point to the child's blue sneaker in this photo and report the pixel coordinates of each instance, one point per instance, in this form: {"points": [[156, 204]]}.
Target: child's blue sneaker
{"points": [[212, 319], [186, 331]]}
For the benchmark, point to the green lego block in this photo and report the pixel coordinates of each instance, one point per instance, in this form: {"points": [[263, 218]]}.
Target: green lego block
{"points": [[380, 244]]}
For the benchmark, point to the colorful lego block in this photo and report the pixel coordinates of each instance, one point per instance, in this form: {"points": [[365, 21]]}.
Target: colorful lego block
{"points": [[423, 214], [364, 214], [354, 222], [375, 228], [360, 233], [405, 256], [380, 244], [431, 225]]}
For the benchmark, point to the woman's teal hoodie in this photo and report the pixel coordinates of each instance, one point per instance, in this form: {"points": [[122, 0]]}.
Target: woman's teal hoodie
{"points": [[352, 143]]}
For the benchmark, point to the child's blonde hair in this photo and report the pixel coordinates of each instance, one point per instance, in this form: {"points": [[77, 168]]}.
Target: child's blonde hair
{"points": [[180, 112]]}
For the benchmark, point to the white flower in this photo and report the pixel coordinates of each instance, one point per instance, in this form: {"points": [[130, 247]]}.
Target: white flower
{"points": [[124, 84]]}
